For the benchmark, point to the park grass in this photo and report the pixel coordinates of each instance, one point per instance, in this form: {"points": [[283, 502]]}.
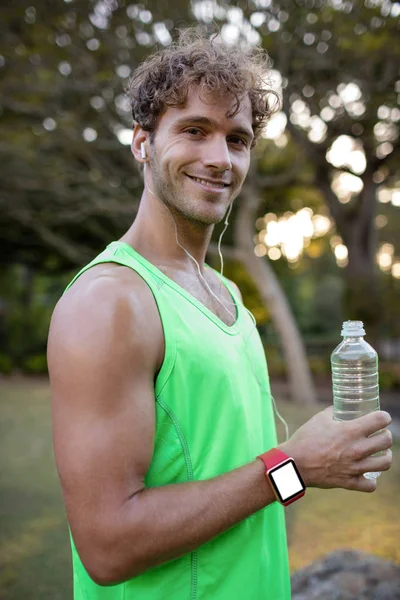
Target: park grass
{"points": [[35, 560], [34, 548]]}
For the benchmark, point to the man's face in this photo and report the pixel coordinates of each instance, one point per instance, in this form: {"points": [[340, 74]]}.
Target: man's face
{"points": [[200, 157]]}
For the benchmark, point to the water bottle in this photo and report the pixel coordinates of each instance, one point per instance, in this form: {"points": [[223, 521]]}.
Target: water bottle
{"points": [[355, 378]]}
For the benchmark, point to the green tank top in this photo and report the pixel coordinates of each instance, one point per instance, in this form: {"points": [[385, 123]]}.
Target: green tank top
{"points": [[211, 417]]}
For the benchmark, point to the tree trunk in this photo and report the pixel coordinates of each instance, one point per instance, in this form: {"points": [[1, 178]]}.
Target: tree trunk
{"points": [[300, 378], [362, 299]]}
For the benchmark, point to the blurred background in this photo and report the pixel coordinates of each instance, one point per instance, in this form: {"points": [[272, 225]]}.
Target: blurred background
{"points": [[314, 237]]}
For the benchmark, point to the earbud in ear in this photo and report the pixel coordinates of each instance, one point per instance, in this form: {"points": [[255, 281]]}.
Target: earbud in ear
{"points": [[143, 150]]}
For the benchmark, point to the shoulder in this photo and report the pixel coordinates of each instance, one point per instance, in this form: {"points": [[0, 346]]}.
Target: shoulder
{"points": [[108, 310], [104, 294]]}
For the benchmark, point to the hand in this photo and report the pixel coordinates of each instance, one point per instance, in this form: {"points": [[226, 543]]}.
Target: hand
{"points": [[336, 454]]}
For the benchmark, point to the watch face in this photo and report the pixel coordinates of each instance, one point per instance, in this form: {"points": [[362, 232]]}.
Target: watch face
{"points": [[286, 480]]}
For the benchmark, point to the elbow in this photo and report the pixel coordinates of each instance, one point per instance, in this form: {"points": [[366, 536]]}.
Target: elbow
{"points": [[101, 574], [107, 572], [111, 558], [104, 579], [108, 578], [104, 574], [107, 568]]}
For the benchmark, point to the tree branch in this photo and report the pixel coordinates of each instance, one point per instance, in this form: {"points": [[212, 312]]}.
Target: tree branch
{"points": [[73, 252]]}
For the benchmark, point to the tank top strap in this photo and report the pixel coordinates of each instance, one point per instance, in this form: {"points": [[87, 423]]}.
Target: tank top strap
{"points": [[114, 252]]}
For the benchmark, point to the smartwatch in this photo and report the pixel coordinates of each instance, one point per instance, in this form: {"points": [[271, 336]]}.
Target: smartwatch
{"points": [[284, 476]]}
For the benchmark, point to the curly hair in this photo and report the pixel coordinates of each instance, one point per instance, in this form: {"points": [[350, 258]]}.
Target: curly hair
{"points": [[164, 78]]}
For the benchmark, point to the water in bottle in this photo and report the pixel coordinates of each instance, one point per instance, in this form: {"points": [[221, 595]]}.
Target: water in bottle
{"points": [[355, 377]]}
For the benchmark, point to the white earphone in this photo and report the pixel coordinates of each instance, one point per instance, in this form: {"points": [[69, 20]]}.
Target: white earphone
{"points": [[143, 150]]}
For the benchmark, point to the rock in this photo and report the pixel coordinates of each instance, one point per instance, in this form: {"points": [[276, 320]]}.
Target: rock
{"points": [[354, 583], [347, 575], [387, 590]]}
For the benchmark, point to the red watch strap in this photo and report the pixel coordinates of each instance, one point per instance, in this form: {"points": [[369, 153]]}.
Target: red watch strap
{"points": [[273, 457]]}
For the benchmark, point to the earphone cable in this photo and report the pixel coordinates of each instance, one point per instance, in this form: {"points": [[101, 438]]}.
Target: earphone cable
{"points": [[223, 304]]}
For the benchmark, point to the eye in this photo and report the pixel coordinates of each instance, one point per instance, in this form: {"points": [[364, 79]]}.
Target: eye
{"points": [[193, 130], [238, 140]]}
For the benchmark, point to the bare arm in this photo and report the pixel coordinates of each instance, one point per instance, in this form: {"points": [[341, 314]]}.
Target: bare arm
{"points": [[104, 353], [103, 356]]}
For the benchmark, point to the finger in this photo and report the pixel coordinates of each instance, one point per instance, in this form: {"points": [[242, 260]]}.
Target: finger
{"points": [[376, 443], [361, 484], [374, 464], [374, 421]]}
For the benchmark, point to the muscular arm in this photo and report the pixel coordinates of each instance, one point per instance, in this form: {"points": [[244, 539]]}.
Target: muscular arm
{"points": [[104, 353], [105, 348]]}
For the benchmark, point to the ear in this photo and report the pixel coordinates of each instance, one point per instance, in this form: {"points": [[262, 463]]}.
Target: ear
{"points": [[140, 136]]}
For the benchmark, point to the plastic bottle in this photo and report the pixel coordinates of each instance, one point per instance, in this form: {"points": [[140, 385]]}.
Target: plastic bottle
{"points": [[355, 378]]}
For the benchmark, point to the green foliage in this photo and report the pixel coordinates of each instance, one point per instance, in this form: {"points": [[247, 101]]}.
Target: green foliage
{"points": [[319, 48], [389, 376], [36, 364], [6, 364], [63, 198], [320, 366], [276, 365], [249, 291], [27, 301]]}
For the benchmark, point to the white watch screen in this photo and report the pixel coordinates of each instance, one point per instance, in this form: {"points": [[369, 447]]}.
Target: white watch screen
{"points": [[287, 481]]}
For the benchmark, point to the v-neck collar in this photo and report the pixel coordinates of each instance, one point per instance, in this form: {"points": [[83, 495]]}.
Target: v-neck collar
{"points": [[231, 329]]}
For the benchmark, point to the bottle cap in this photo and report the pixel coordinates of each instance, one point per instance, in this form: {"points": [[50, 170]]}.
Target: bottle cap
{"points": [[353, 329]]}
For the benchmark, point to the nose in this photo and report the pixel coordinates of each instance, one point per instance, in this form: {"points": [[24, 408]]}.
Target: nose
{"points": [[217, 155]]}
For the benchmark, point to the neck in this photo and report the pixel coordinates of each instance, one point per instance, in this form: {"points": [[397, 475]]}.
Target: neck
{"points": [[153, 235]]}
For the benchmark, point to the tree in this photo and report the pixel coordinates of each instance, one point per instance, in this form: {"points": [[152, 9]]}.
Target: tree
{"points": [[339, 62], [67, 185], [62, 120]]}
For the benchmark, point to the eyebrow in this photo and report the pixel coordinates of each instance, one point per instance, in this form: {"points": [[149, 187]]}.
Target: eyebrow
{"points": [[200, 120]]}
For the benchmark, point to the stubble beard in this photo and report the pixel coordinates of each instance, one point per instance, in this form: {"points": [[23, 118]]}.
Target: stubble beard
{"points": [[177, 202]]}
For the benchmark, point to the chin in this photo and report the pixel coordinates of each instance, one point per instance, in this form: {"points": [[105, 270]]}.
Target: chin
{"points": [[212, 215], [212, 208]]}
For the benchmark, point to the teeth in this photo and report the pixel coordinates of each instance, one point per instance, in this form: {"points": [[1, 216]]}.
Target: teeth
{"points": [[204, 182]]}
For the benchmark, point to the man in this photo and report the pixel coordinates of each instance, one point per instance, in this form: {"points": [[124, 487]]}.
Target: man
{"points": [[161, 400]]}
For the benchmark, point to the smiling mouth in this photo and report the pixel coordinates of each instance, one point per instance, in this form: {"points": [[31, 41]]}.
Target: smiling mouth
{"points": [[213, 185]]}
